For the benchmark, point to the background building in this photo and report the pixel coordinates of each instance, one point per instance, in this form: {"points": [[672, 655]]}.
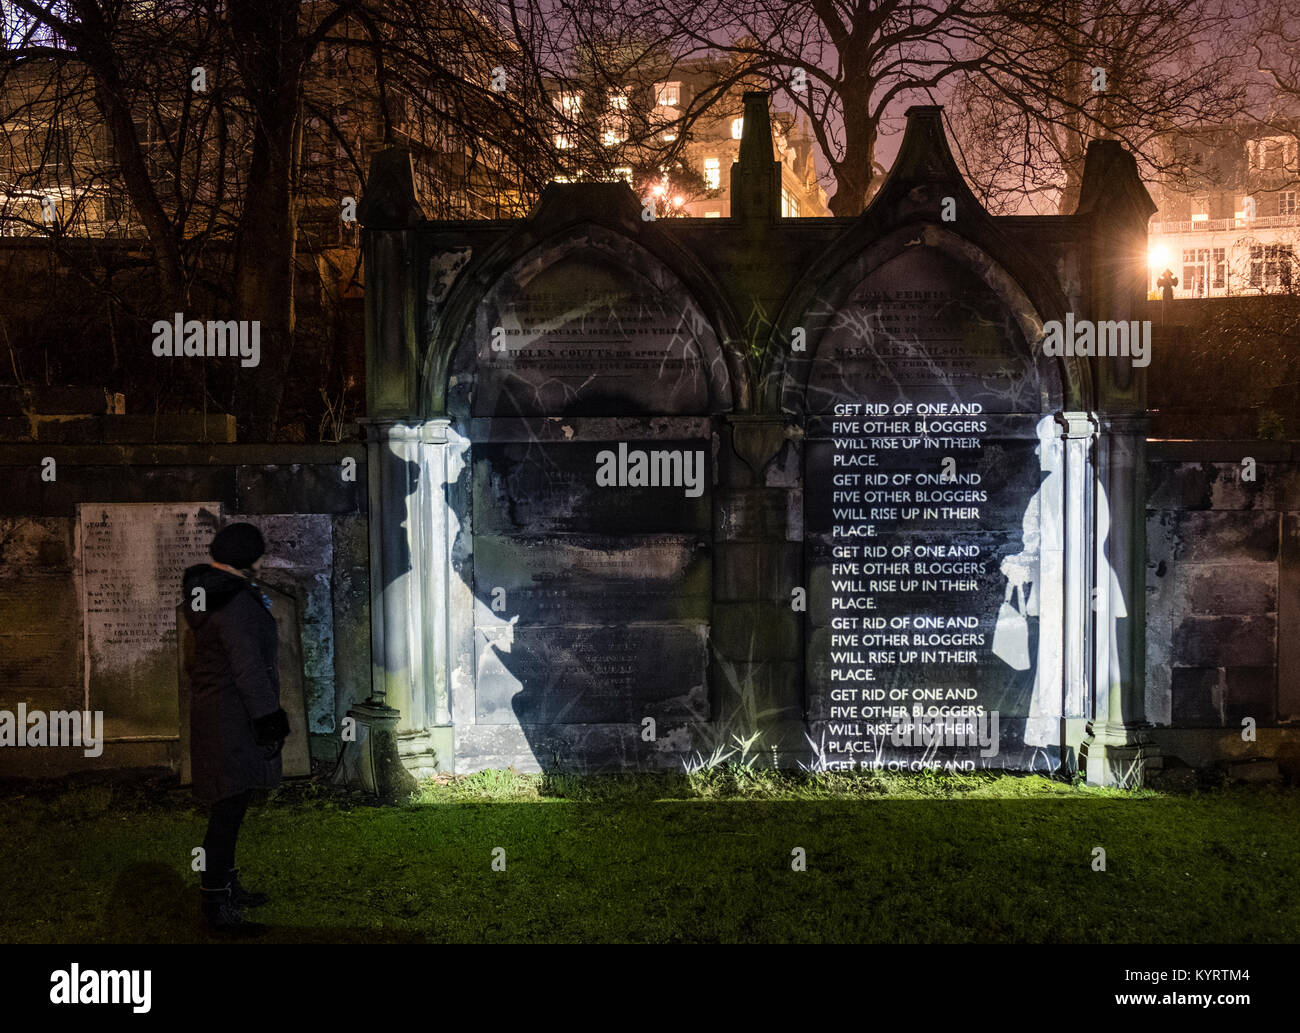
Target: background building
{"points": [[675, 137], [1232, 226]]}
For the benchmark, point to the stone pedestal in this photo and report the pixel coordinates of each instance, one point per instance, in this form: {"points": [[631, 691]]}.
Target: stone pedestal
{"points": [[374, 760], [1117, 755]]}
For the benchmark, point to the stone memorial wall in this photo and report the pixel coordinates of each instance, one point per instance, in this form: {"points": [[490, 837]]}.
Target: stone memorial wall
{"points": [[90, 567], [652, 492]]}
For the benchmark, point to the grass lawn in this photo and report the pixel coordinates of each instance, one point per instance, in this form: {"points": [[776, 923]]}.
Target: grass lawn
{"points": [[907, 859]]}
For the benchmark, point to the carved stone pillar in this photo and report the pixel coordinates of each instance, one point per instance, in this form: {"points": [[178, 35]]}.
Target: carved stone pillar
{"points": [[1078, 432], [1117, 749]]}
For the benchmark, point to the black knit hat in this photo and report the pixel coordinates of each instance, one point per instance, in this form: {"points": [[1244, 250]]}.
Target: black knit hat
{"points": [[237, 545]]}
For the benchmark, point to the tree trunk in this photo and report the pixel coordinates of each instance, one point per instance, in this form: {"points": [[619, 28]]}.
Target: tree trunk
{"points": [[854, 171], [268, 45]]}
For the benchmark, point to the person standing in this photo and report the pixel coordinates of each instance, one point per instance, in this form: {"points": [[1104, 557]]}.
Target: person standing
{"points": [[237, 726]]}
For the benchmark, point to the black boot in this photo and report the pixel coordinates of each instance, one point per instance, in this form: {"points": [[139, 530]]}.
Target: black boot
{"points": [[243, 898], [224, 918]]}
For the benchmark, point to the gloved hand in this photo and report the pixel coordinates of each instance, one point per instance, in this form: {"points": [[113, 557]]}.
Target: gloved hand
{"points": [[274, 750], [271, 730]]}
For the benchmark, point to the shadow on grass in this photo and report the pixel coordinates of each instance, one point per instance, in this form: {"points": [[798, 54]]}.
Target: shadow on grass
{"points": [[151, 904]]}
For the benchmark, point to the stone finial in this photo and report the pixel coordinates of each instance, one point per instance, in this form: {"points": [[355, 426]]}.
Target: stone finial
{"points": [[925, 175], [756, 176], [756, 139], [1111, 184], [389, 202]]}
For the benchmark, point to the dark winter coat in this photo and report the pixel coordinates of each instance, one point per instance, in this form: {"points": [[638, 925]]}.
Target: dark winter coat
{"points": [[236, 724]]}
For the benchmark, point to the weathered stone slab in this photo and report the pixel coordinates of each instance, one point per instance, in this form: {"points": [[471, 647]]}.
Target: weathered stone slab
{"points": [[1225, 641], [756, 570], [35, 545], [1197, 696], [299, 560], [588, 327], [1210, 536], [40, 631], [758, 515], [132, 559], [580, 579], [142, 484], [1216, 589], [922, 329], [576, 675], [757, 630], [301, 488], [547, 488], [1251, 692]]}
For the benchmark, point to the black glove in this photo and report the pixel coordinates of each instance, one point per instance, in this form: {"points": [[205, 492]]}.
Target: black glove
{"points": [[273, 751], [271, 730]]}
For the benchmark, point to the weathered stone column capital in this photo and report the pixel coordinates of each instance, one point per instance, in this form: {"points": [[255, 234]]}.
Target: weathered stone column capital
{"points": [[1076, 424], [433, 432]]}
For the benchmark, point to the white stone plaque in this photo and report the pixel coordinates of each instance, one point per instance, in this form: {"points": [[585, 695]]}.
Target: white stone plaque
{"points": [[131, 558]]}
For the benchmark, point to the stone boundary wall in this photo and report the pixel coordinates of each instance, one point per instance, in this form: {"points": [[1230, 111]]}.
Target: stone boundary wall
{"points": [[315, 524], [1223, 585]]}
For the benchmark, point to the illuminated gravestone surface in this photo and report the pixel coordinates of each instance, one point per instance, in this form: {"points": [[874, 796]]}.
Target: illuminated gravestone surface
{"points": [[851, 408], [584, 379], [923, 474], [132, 559]]}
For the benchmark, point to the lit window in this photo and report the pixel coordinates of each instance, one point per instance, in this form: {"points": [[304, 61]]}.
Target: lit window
{"points": [[669, 137], [1196, 268], [713, 215], [563, 142], [789, 204], [569, 103], [737, 128], [623, 173], [668, 94], [1271, 152], [1200, 209], [618, 100], [1270, 265], [614, 132], [712, 173]]}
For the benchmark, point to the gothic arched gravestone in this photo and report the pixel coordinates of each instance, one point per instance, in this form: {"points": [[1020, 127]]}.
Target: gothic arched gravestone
{"points": [[591, 599], [931, 461]]}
